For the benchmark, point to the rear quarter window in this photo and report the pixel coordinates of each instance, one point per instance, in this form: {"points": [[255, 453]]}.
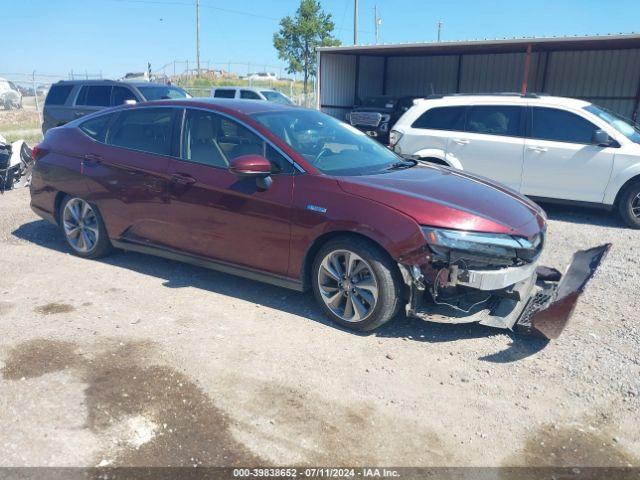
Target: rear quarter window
{"points": [[96, 128], [58, 94]]}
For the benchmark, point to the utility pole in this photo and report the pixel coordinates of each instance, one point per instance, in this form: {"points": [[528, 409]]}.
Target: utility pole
{"points": [[440, 25], [377, 21], [198, 36], [355, 22]]}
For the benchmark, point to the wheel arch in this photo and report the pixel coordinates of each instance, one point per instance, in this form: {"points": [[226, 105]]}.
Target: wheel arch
{"points": [[436, 161], [441, 157], [312, 251], [57, 203], [625, 185]]}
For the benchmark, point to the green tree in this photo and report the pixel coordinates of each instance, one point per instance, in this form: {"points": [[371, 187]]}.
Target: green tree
{"points": [[299, 37]]}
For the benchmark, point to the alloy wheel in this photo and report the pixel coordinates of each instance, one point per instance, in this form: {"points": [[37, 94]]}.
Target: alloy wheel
{"points": [[80, 225], [347, 285], [635, 206]]}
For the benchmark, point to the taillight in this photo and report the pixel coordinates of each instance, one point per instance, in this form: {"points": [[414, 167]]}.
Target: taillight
{"points": [[394, 137], [37, 152]]}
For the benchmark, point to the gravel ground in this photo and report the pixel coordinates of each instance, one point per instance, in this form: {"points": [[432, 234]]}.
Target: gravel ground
{"points": [[134, 360]]}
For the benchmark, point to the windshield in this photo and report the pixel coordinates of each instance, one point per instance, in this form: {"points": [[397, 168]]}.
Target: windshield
{"points": [[621, 124], [378, 102], [276, 97], [331, 146], [162, 92]]}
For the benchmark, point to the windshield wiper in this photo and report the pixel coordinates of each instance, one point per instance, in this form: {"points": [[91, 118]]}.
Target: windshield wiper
{"points": [[403, 164]]}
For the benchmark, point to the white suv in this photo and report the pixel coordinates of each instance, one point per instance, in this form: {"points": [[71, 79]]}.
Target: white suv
{"points": [[549, 148]]}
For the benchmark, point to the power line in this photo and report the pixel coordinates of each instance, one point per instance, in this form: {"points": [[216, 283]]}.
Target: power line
{"points": [[212, 7]]}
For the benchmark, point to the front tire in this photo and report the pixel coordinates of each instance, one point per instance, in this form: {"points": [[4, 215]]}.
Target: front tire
{"points": [[356, 283], [629, 205], [83, 228]]}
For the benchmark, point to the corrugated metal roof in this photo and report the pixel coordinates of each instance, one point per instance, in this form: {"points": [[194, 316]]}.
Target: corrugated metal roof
{"points": [[590, 42]]}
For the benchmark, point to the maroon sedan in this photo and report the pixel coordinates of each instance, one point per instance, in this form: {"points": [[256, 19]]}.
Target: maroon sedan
{"points": [[299, 199]]}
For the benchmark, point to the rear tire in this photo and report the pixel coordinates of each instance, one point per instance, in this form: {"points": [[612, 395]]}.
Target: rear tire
{"points": [[356, 283], [83, 228], [629, 205]]}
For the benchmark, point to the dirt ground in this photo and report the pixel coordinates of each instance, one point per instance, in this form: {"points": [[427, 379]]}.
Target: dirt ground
{"points": [[134, 360]]}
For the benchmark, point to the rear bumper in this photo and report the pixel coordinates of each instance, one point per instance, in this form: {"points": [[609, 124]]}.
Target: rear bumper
{"points": [[541, 304], [44, 214]]}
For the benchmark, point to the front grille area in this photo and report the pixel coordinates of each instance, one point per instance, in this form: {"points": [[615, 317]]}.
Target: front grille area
{"points": [[367, 119]]}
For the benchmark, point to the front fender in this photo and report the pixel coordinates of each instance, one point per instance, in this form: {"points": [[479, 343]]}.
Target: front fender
{"points": [[322, 208], [618, 180]]}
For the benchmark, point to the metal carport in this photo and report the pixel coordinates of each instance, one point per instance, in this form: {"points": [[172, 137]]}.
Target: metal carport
{"points": [[601, 69]]}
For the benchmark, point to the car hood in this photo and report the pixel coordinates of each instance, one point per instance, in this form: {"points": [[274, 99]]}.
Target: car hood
{"points": [[442, 197]]}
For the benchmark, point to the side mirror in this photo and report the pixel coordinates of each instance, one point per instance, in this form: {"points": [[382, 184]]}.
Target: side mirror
{"points": [[601, 138], [253, 166]]}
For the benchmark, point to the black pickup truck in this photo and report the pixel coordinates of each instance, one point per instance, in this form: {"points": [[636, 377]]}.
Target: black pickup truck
{"points": [[376, 115]]}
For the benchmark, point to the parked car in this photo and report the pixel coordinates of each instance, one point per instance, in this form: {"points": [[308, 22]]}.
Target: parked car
{"points": [[262, 76], [251, 93], [299, 199], [68, 100], [548, 148], [376, 115], [10, 96]]}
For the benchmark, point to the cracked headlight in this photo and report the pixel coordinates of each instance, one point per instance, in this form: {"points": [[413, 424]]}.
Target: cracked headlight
{"points": [[486, 244]]}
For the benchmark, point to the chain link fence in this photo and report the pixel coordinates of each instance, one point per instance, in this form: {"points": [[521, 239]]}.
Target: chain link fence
{"points": [[21, 117]]}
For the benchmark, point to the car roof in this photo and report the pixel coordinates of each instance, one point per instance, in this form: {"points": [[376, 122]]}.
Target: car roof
{"points": [[235, 87], [112, 82], [529, 99], [241, 106]]}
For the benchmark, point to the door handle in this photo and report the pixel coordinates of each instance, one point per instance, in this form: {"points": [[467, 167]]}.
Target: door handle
{"points": [[537, 149], [461, 141], [182, 179], [79, 114]]}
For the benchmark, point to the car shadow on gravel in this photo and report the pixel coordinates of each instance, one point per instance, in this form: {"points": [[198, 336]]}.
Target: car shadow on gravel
{"points": [[179, 275], [414, 329], [583, 215]]}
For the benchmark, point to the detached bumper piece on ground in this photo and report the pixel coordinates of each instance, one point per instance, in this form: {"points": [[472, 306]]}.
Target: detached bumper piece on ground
{"points": [[540, 304], [16, 164]]}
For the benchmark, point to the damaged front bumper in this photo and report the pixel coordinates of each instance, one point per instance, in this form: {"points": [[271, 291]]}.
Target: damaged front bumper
{"points": [[527, 299]]}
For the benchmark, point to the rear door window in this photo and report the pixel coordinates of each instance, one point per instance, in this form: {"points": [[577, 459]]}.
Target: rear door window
{"points": [[560, 126], [224, 93], [503, 120], [144, 129], [201, 134], [249, 95], [58, 94], [121, 95], [95, 96], [442, 118]]}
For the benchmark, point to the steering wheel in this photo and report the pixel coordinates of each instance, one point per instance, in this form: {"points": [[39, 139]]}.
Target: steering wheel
{"points": [[323, 153]]}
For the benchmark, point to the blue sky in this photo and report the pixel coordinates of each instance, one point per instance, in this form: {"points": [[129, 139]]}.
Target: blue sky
{"points": [[117, 36]]}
